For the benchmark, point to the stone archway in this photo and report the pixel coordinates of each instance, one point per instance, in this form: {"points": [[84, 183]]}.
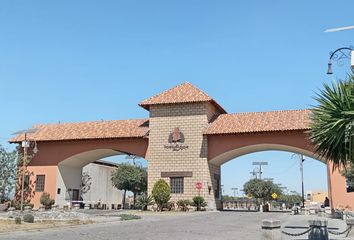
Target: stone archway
{"points": [[211, 137], [61, 162], [223, 148]]}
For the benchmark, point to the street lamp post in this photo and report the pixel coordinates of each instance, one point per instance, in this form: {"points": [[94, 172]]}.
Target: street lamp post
{"points": [[302, 179], [25, 145], [234, 189], [340, 54]]}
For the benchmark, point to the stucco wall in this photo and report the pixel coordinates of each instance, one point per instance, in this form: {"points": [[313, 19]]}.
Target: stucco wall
{"points": [[68, 177], [340, 197], [50, 173]]}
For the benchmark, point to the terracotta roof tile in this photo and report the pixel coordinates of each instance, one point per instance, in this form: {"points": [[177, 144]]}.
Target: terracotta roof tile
{"points": [[259, 122], [88, 130], [183, 93]]}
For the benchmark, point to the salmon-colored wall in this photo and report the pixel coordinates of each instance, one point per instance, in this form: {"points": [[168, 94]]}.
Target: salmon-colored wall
{"points": [[340, 197], [219, 144], [50, 183], [51, 153]]}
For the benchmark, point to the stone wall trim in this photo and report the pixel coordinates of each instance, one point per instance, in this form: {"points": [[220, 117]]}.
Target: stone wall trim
{"points": [[177, 174]]}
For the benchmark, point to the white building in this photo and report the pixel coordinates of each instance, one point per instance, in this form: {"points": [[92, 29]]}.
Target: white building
{"points": [[101, 189]]}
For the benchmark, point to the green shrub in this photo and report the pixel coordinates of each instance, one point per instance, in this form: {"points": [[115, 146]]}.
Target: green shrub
{"points": [[199, 202], [125, 217], [46, 201], [161, 193], [29, 218], [144, 201], [17, 205], [17, 220], [184, 204]]}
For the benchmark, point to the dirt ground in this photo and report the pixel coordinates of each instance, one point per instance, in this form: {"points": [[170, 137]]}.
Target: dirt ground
{"points": [[9, 225]]}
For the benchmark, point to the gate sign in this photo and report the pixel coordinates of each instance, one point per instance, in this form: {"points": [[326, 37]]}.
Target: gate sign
{"points": [[198, 185]]}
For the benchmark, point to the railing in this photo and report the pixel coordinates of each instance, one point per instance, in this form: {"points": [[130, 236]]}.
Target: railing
{"points": [[317, 230]]}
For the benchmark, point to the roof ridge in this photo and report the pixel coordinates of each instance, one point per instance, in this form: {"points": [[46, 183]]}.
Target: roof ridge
{"points": [[96, 121], [171, 89], [272, 111]]}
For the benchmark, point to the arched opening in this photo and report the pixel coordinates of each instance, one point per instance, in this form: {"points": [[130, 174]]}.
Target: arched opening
{"points": [[283, 168], [86, 177]]}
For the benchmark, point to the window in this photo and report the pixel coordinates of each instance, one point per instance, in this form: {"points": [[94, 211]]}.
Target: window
{"points": [[40, 181], [350, 185], [177, 184]]}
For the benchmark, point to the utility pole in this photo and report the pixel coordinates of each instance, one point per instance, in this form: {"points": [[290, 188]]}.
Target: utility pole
{"points": [[25, 145], [260, 164], [302, 179], [234, 189]]}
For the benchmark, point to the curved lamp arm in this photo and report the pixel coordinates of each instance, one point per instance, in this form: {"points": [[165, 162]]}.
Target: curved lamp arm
{"points": [[334, 56]]}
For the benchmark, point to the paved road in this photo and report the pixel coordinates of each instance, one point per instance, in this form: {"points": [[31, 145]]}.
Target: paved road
{"points": [[207, 225]]}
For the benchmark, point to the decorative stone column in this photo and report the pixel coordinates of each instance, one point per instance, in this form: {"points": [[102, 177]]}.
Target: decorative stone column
{"points": [[27, 209], [55, 207], [271, 229], [11, 211], [319, 229], [350, 223]]}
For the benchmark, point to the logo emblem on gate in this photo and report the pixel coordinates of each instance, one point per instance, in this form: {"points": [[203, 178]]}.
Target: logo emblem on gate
{"points": [[176, 140]]}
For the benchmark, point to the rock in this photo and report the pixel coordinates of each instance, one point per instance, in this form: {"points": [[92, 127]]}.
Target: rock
{"points": [[11, 211]]}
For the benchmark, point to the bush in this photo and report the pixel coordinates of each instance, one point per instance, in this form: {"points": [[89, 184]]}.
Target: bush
{"points": [[199, 202], [46, 201], [17, 205], [161, 193], [144, 201], [29, 218], [184, 204], [17, 220]]}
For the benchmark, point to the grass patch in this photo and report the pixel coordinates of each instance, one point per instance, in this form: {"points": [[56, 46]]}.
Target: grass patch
{"points": [[126, 217]]}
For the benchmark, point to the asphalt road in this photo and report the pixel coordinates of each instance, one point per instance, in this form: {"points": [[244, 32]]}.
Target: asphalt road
{"points": [[205, 225]]}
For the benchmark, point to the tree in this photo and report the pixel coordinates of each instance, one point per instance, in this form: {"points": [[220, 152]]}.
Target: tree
{"points": [[8, 166], [261, 189], [29, 191], [129, 178], [85, 183], [141, 185], [290, 199], [161, 193], [332, 122]]}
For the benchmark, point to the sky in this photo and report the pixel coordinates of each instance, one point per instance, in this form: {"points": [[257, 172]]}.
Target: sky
{"points": [[72, 61]]}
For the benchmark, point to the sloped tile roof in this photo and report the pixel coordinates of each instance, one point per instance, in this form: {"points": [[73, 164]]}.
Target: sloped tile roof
{"points": [[260, 122], [88, 130], [183, 93]]}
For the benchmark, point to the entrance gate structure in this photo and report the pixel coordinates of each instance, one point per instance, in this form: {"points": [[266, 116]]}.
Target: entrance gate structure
{"points": [[185, 140]]}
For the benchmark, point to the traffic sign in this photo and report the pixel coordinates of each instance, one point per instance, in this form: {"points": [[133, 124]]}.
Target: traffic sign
{"points": [[274, 196], [198, 185]]}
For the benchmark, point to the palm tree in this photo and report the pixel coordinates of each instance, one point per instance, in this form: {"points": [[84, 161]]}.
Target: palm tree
{"points": [[332, 122]]}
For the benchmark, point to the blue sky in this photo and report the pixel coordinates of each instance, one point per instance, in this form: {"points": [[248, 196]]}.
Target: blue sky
{"points": [[89, 60]]}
